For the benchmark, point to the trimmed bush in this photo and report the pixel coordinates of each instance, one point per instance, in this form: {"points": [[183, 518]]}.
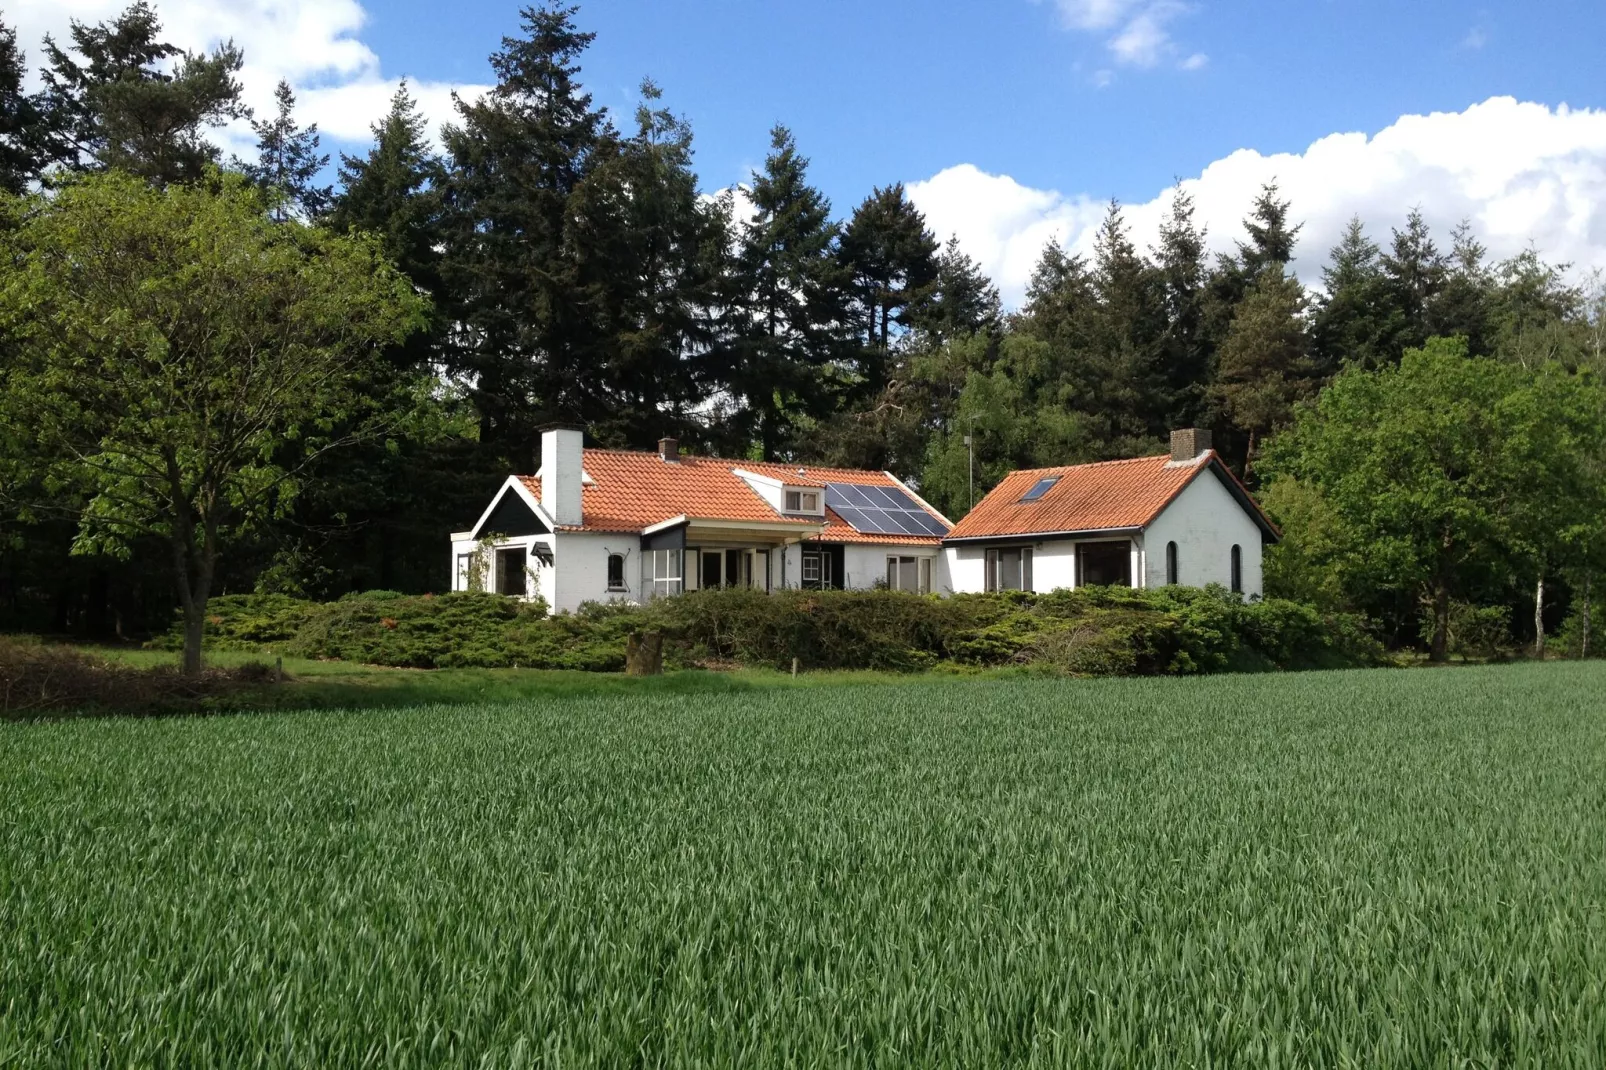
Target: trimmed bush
{"points": [[1092, 631]]}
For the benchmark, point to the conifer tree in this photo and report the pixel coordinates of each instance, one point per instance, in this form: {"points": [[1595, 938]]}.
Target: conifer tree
{"points": [[963, 299], [23, 134], [1356, 322], [526, 339], [1186, 351], [136, 103], [889, 258], [787, 346], [1271, 239], [1415, 270], [288, 161], [1121, 378], [1263, 366]]}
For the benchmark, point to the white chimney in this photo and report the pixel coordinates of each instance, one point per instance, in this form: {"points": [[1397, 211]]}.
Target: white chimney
{"points": [[561, 464]]}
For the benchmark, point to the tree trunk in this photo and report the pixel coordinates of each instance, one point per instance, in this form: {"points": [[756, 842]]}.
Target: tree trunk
{"points": [[194, 630], [644, 654], [1539, 619], [1439, 649]]}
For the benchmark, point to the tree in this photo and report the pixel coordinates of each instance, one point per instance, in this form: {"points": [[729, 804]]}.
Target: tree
{"points": [[963, 299], [23, 131], [136, 103], [1415, 271], [180, 360], [649, 251], [889, 259], [1355, 321], [1121, 380], [1186, 351], [1271, 240], [288, 161], [1437, 479], [1263, 368], [788, 341], [525, 339]]}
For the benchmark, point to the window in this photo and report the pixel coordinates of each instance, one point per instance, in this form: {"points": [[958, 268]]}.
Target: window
{"points": [[511, 578], [1171, 572], [1040, 488], [616, 572], [909, 574], [1237, 569], [1009, 570], [802, 501], [1104, 564], [660, 573], [467, 579], [817, 569]]}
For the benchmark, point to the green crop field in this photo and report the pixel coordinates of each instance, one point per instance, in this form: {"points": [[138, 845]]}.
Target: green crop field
{"points": [[1364, 869]]}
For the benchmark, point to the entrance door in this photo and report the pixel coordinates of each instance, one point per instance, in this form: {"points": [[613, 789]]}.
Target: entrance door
{"points": [[511, 578], [713, 561], [735, 568]]}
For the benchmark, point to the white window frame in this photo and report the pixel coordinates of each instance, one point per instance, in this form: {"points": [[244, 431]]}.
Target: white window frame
{"points": [[661, 573], [621, 587], [799, 500], [922, 572]]}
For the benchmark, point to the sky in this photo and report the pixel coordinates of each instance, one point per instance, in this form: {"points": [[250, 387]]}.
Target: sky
{"points": [[1014, 122]]}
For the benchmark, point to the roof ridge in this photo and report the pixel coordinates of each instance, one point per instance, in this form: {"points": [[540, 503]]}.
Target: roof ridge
{"points": [[1091, 464]]}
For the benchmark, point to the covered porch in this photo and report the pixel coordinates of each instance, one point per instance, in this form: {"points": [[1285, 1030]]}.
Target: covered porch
{"points": [[690, 554]]}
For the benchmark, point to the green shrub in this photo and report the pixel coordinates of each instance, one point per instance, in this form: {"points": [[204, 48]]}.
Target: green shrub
{"points": [[43, 680], [1098, 631], [1569, 638]]}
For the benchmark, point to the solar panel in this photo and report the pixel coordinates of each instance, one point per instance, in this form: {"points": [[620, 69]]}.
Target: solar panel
{"points": [[877, 510]]}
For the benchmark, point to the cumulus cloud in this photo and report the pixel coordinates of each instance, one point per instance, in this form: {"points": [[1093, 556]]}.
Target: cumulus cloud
{"points": [[1142, 36], [312, 44], [1524, 174]]}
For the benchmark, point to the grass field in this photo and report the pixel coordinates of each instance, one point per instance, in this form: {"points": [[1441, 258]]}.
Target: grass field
{"points": [[1363, 869]]}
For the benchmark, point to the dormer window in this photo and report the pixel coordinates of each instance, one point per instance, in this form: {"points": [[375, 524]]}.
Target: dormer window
{"points": [[802, 501]]}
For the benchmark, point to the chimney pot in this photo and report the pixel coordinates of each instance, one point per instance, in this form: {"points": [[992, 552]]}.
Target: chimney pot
{"points": [[669, 450], [1188, 443]]}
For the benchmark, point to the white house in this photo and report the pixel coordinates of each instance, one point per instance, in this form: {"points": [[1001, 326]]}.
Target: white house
{"points": [[1181, 518], [614, 525]]}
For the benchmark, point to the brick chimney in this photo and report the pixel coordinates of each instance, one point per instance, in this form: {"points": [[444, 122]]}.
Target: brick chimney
{"points": [[561, 467], [669, 450], [1188, 443]]}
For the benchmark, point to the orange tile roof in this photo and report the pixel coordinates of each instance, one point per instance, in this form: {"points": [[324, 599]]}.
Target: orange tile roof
{"points": [[629, 491], [1105, 496]]}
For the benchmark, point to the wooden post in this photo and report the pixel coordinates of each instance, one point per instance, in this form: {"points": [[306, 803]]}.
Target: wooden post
{"points": [[644, 654], [278, 670], [794, 667]]}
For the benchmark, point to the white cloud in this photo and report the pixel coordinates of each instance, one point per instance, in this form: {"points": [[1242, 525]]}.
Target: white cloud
{"points": [[1142, 38], [1523, 173], [312, 44], [1475, 39]]}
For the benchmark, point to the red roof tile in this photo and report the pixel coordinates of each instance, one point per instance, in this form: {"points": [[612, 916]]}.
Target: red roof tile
{"points": [[1108, 495], [629, 491]]}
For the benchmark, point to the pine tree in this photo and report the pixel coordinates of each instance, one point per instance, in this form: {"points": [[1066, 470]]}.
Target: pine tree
{"points": [[788, 343], [1461, 307], [1415, 271], [889, 258], [1263, 366], [137, 103], [23, 131], [963, 299], [394, 193], [650, 253], [1186, 351], [526, 340], [1122, 378], [288, 161], [1271, 240], [1356, 322]]}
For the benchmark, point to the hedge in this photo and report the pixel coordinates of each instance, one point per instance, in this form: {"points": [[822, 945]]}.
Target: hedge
{"points": [[1092, 631]]}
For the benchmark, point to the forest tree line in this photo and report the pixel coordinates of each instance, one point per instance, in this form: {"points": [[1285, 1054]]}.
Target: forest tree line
{"points": [[564, 265]]}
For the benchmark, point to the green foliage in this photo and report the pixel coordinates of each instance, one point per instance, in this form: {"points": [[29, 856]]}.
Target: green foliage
{"points": [[1482, 632], [1384, 869], [1092, 631]]}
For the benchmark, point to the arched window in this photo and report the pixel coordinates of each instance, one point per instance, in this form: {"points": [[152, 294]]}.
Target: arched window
{"points": [[1237, 569], [1171, 572], [616, 572]]}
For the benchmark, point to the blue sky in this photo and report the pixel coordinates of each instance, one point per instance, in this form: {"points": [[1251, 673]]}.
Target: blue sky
{"points": [[1014, 121], [878, 91]]}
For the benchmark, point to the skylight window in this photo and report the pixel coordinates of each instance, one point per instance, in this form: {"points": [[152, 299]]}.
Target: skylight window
{"points": [[1040, 488]]}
